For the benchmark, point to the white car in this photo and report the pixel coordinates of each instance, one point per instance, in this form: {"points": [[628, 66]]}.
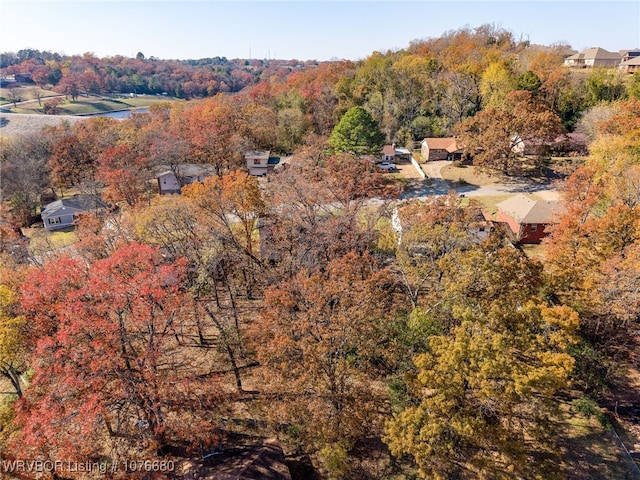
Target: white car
{"points": [[387, 167]]}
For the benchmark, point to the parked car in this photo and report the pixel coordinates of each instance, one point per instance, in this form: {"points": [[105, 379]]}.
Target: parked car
{"points": [[387, 167]]}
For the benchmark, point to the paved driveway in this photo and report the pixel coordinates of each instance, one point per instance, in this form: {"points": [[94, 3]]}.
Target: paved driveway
{"points": [[436, 185]]}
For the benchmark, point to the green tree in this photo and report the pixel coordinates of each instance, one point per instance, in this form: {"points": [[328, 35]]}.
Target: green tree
{"points": [[529, 81], [357, 133]]}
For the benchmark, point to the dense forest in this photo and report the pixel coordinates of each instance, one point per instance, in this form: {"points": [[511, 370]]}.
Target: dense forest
{"points": [[289, 307]]}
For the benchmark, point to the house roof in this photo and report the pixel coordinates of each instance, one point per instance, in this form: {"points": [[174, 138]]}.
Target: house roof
{"points": [[525, 210], [595, 53], [80, 203], [631, 62], [186, 170], [388, 150], [445, 143], [261, 154]]}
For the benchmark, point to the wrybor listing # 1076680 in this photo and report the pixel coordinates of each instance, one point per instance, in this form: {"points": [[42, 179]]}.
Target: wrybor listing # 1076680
{"points": [[17, 466]]}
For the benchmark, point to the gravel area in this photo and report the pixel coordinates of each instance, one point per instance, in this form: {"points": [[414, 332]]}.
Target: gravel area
{"points": [[15, 124]]}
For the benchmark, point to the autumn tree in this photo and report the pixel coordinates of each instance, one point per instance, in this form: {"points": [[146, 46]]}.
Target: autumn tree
{"points": [[112, 371], [321, 214], [430, 231], [233, 200], [70, 162], [484, 394], [497, 81], [125, 175], [24, 176], [317, 340], [592, 259], [13, 351], [497, 136]]}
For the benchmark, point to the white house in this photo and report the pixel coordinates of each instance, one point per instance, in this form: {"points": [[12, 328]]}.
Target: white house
{"points": [[259, 163]]}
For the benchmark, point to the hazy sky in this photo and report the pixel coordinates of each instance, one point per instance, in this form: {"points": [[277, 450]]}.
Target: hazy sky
{"points": [[304, 30]]}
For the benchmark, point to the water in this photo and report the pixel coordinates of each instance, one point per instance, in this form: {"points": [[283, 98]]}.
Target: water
{"points": [[122, 114]]}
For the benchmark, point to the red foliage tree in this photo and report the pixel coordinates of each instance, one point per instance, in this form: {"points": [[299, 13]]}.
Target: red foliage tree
{"points": [[125, 175], [111, 370]]}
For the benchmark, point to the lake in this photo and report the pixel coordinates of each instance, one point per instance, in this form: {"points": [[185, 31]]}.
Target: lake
{"points": [[122, 114]]}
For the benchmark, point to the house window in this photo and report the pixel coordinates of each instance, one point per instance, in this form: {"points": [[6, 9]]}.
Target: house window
{"points": [[256, 161], [534, 227], [54, 221]]}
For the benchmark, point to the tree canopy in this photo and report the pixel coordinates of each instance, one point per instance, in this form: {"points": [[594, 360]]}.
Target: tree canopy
{"points": [[357, 133]]}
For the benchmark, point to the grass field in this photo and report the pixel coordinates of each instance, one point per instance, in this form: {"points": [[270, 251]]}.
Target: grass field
{"points": [[24, 93], [89, 105]]}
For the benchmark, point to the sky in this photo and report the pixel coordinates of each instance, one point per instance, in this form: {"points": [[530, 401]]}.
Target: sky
{"points": [[302, 29]]}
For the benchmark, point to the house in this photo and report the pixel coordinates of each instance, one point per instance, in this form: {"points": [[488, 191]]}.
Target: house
{"points": [[407, 216], [446, 148], [63, 213], [627, 55], [23, 78], [172, 179], [632, 65], [571, 143], [593, 57], [403, 154], [528, 219], [259, 163], [389, 153]]}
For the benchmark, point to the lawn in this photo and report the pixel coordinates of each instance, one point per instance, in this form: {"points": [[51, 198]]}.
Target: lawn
{"points": [[25, 94], [42, 241], [468, 174], [95, 104], [590, 451]]}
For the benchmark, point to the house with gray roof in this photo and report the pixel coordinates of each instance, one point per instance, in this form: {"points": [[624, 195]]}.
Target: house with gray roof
{"points": [[64, 212], [593, 57], [527, 219], [171, 179]]}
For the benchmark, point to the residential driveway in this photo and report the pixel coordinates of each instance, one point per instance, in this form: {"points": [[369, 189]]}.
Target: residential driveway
{"points": [[432, 169], [408, 171], [436, 185]]}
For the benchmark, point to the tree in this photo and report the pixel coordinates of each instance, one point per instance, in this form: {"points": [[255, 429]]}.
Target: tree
{"points": [[497, 81], [357, 133], [496, 136], [125, 175], [231, 200], [317, 341], [13, 351], [484, 393], [112, 371], [24, 175], [70, 162], [529, 81]]}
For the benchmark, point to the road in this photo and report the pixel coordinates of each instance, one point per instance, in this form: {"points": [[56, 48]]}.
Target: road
{"points": [[436, 185]]}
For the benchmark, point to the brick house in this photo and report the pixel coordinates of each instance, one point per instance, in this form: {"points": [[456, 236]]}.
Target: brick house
{"points": [[527, 219], [446, 148]]}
